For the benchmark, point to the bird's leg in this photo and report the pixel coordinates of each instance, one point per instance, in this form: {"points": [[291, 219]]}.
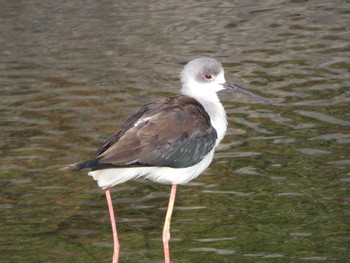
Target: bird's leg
{"points": [[166, 228], [114, 227]]}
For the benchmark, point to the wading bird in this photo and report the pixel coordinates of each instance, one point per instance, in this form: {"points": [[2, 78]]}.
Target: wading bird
{"points": [[170, 141]]}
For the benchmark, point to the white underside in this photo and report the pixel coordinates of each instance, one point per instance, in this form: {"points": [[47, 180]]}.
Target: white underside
{"points": [[107, 178]]}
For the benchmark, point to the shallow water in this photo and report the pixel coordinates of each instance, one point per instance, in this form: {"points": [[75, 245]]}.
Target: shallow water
{"points": [[278, 189]]}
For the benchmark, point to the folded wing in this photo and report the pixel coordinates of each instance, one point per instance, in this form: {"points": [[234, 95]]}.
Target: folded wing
{"points": [[174, 132]]}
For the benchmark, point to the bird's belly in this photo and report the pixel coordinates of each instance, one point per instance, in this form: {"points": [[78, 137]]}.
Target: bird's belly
{"points": [[107, 178]]}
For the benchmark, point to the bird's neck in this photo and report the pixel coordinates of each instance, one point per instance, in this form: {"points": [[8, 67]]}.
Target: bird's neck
{"points": [[215, 110], [217, 116]]}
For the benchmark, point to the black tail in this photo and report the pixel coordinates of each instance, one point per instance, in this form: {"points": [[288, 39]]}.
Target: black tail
{"points": [[82, 165]]}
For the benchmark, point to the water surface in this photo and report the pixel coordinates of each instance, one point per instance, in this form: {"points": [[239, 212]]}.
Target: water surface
{"points": [[278, 189]]}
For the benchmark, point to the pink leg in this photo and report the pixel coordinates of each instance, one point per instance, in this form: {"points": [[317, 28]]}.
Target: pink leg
{"points": [[114, 227], [166, 228]]}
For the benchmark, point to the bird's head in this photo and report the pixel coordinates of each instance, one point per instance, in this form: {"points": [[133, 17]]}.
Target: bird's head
{"points": [[204, 77]]}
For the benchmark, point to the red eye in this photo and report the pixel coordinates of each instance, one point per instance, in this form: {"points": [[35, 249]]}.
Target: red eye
{"points": [[207, 76]]}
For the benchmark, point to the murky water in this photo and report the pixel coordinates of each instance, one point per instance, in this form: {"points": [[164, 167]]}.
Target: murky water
{"points": [[278, 190]]}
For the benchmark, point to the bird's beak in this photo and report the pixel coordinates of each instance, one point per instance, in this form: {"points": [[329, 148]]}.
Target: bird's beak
{"points": [[246, 92]]}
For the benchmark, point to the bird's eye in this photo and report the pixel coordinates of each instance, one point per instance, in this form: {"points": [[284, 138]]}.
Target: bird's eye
{"points": [[207, 76]]}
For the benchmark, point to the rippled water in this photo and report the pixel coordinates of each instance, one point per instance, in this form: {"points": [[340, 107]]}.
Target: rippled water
{"points": [[278, 189]]}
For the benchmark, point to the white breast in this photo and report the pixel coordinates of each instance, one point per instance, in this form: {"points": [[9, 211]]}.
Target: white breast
{"points": [[107, 178]]}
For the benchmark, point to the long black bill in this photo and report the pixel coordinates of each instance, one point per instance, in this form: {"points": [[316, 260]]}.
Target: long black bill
{"points": [[246, 92]]}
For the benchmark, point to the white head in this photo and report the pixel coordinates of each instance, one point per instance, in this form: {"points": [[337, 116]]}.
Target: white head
{"points": [[204, 77]]}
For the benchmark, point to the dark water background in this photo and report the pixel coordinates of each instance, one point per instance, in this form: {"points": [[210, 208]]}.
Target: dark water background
{"points": [[278, 189]]}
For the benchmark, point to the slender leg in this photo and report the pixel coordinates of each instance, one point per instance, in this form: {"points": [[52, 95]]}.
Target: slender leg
{"points": [[114, 227], [166, 228]]}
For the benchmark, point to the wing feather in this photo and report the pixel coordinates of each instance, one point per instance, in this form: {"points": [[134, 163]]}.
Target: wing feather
{"points": [[174, 132]]}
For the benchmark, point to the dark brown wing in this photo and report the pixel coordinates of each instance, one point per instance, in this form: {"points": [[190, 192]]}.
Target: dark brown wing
{"points": [[174, 132]]}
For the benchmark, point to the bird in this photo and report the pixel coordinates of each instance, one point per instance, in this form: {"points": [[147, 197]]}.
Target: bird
{"points": [[170, 141]]}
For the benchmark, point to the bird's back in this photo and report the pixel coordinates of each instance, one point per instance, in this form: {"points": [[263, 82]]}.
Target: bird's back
{"points": [[174, 132]]}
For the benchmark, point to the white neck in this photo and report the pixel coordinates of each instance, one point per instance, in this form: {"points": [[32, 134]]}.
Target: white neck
{"points": [[213, 107]]}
